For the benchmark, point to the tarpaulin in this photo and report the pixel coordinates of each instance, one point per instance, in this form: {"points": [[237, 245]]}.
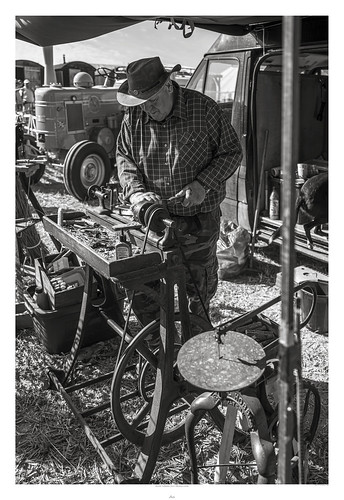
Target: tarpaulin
{"points": [[54, 30]]}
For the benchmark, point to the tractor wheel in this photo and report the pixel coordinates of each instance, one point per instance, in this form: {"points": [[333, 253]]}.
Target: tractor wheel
{"points": [[86, 164]]}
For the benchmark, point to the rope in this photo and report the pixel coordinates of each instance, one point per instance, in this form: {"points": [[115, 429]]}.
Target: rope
{"points": [[186, 24]]}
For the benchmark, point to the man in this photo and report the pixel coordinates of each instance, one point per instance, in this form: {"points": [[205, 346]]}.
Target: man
{"points": [[19, 101], [28, 97], [177, 143]]}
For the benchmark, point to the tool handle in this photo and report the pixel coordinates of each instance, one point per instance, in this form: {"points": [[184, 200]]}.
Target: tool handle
{"points": [[168, 222]]}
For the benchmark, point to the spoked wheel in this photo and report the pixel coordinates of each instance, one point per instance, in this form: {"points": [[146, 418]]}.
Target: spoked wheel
{"points": [[133, 386], [86, 164]]}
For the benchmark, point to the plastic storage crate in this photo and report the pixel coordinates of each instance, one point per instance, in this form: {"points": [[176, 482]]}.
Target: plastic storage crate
{"points": [[56, 329]]}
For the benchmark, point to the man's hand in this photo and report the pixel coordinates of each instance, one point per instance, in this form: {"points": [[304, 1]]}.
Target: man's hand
{"points": [[193, 194], [138, 197]]}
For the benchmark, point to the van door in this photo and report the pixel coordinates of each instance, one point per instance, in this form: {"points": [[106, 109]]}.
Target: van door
{"points": [[225, 78], [312, 154]]}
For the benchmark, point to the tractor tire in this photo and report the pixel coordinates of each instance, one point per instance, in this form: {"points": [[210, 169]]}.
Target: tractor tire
{"points": [[86, 164]]}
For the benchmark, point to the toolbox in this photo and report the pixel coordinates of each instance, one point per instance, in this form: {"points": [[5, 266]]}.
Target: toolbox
{"points": [[56, 329]]}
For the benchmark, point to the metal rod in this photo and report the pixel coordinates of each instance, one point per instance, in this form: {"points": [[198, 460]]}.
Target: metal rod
{"points": [[239, 464], [95, 409], [88, 382], [261, 179], [298, 391], [290, 132]]}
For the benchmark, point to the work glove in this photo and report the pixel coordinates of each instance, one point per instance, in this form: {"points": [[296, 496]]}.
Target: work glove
{"points": [[192, 194], [148, 196]]}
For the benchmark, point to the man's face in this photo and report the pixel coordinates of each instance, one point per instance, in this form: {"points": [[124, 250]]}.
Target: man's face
{"points": [[160, 105]]}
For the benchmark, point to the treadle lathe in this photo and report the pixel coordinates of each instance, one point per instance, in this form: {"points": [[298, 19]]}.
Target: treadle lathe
{"points": [[158, 256]]}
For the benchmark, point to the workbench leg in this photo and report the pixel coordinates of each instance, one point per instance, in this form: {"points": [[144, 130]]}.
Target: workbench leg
{"points": [[166, 389]]}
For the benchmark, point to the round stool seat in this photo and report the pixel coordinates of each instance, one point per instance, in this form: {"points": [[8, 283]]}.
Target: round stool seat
{"points": [[237, 362]]}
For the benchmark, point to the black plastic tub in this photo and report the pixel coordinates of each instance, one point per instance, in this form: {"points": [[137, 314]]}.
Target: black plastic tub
{"points": [[56, 329]]}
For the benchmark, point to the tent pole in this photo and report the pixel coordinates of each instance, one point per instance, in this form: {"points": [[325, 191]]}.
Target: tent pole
{"points": [[49, 73], [290, 135]]}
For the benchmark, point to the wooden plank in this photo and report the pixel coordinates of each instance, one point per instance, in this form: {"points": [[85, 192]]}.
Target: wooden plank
{"points": [[317, 253], [269, 225]]}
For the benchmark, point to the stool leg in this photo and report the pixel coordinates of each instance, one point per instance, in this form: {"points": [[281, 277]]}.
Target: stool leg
{"points": [[264, 455], [190, 422], [262, 447], [203, 403], [226, 444]]}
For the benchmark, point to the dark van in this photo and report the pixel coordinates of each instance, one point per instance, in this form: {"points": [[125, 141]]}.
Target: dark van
{"points": [[244, 75]]}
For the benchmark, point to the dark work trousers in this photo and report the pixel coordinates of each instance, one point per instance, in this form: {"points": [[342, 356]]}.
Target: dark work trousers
{"points": [[202, 232]]}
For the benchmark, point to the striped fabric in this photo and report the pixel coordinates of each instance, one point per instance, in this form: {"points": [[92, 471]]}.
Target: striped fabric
{"points": [[196, 141]]}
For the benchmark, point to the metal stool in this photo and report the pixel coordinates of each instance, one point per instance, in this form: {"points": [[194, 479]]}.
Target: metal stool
{"points": [[225, 364]]}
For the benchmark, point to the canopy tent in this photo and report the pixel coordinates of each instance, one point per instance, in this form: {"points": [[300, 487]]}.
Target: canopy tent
{"points": [[55, 30]]}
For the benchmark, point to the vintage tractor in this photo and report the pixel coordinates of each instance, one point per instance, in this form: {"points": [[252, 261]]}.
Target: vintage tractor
{"points": [[77, 127]]}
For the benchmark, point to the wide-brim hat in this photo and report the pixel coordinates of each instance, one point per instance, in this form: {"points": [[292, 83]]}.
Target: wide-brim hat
{"points": [[145, 78]]}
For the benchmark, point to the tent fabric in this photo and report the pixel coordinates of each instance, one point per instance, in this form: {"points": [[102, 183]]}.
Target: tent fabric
{"points": [[55, 30], [45, 31]]}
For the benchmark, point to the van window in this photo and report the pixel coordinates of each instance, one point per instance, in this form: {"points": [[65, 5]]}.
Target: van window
{"points": [[217, 80], [221, 80]]}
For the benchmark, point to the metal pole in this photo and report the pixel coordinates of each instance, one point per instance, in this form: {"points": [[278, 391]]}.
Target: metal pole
{"points": [[290, 133]]}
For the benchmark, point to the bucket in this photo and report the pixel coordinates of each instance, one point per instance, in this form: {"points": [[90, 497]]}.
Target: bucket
{"points": [[319, 319], [278, 183]]}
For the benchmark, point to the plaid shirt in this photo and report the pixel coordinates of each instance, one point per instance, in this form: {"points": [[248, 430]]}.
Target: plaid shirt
{"points": [[196, 141]]}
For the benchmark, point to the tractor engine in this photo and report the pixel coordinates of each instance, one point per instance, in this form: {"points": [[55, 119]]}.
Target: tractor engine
{"points": [[77, 127]]}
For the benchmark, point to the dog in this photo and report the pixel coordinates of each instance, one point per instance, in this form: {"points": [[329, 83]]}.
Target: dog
{"points": [[313, 201]]}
